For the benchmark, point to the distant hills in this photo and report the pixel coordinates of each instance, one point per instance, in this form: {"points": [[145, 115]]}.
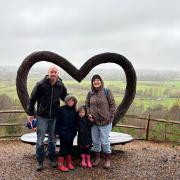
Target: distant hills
{"points": [[9, 73]]}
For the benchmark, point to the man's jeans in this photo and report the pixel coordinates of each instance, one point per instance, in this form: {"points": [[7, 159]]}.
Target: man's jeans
{"points": [[100, 137], [45, 125]]}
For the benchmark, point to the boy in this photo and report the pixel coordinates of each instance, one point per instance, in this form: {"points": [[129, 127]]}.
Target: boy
{"points": [[66, 128]]}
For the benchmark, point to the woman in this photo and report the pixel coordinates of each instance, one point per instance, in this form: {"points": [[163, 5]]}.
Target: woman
{"points": [[101, 108]]}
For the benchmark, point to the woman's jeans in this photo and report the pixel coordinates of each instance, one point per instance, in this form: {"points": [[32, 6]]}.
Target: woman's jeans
{"points": [[45, 125], [100, 137]]}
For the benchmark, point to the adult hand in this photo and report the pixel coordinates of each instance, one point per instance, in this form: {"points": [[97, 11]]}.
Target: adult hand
{"points": [[30, 119], [34, 129], [90, 117]]}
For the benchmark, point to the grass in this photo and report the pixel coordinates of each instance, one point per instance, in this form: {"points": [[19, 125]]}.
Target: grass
{"points": [[149, 93]]}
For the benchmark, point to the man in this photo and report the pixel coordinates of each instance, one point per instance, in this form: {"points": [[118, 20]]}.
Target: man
{"points": [[47, 93]]}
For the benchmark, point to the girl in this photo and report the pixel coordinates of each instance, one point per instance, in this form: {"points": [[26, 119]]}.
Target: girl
{"points": [[84, 137], [66, 128]]}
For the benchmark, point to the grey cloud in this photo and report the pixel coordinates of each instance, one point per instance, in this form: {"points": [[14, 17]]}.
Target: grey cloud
{"points": [[146, 32]]}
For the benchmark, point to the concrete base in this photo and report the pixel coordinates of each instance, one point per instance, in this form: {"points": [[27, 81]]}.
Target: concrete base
{"points": [[115, 138]]}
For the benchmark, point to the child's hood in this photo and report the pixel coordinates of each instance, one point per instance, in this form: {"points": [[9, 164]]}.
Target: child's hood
{"points": [[68, 97]]}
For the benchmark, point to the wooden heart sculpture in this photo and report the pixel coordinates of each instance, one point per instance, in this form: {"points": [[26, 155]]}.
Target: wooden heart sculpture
{"points": [[79, 75]]}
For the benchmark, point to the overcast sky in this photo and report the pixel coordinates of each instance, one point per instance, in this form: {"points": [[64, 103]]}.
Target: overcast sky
{"points": [[147, 32]]}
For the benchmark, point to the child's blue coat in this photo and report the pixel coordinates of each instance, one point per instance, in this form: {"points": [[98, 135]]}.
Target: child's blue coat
{"points": [[66, 124]]}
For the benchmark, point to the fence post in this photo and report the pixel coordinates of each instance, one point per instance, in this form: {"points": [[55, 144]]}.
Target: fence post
{"points": [[147, 127], [165, 132]]}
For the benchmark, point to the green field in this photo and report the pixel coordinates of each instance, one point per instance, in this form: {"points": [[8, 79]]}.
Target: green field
{"points": [[148, 94]]}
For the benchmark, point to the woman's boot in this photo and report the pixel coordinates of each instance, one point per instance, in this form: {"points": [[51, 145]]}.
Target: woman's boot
{"points": [[97, 159], [107, 162]]}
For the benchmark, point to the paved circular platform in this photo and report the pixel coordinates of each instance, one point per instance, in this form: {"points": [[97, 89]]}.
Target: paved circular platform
{"points": [[115, 138]]}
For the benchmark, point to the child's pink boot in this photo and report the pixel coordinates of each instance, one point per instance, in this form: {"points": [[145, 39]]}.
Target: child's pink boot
{"points": [[69, 162], [61, 165], [83, 162], [88, 160]]}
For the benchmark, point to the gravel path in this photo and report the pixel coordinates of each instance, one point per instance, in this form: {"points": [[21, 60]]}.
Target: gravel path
{"points": [[136, 160]]}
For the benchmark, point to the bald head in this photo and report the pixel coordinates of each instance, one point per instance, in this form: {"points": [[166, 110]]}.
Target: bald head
{"points": [[54, 68], [53, 73]]}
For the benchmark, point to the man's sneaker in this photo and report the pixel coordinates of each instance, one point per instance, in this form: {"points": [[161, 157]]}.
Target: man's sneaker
{"points": [[39, 165]]}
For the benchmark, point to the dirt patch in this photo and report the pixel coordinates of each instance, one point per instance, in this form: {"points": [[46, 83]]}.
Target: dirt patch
{"points": [[136, 160]]}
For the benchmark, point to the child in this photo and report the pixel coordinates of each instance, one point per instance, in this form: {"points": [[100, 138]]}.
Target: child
{"points": [[66, 128], [84, 137]]}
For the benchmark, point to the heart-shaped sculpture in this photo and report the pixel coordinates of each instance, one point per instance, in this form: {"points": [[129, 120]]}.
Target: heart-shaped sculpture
{"points": [[79, 75]]}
